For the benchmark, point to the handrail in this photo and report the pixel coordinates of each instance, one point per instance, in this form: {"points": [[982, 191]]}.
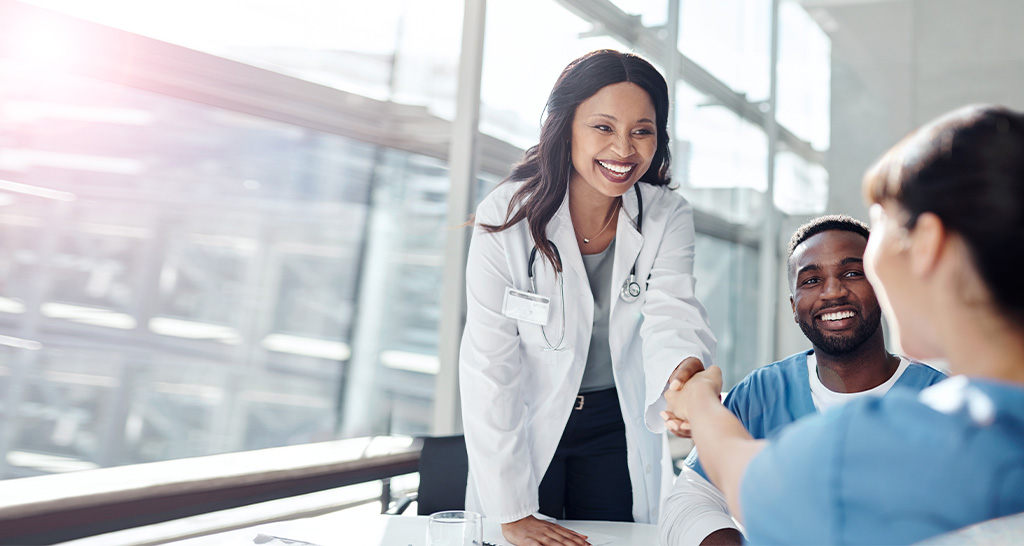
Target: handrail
{"points": [[61, 507]]}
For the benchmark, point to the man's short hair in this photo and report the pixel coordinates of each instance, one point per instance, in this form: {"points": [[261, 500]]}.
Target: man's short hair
{"points": [[821, 224], [829, 222]]}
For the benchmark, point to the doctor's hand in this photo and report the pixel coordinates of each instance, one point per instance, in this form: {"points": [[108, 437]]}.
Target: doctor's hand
{"points": [[683, 372], [531, 531], [703, 387]]}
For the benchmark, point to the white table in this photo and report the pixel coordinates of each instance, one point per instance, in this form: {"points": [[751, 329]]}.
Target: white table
{"points": [[346, 529]]}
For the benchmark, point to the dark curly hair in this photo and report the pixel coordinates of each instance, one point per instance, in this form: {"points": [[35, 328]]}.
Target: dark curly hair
{"points": [[829, 222]]}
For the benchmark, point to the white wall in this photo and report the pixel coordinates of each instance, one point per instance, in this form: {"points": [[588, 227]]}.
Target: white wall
{"points": [[899, 63], [896, 64]]}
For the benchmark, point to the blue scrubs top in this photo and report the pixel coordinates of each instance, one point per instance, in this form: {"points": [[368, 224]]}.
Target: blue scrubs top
{"points": [[891, 470], [774, 396]]}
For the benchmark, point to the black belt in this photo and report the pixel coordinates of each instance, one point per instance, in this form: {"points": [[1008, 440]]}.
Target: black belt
{"points": [[606, 395]]}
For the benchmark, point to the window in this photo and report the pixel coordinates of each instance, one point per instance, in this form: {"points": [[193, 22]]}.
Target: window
{"points": [[236, 238], [804, 78], [189, 287], [719, 159], [726, 274], [801, 187], [731, 39], [519, 72], [387, 49]]}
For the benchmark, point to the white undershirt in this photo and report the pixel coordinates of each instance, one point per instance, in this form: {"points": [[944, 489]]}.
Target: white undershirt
{"points": [[824, 398]]}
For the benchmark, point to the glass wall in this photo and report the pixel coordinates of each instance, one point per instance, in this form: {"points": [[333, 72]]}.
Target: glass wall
{"points": [[727, 274], [189, 273], [182, 279], [249, 250], [720, 159], [387, 49], [731, 39], [518, 73], [804, 86], [805, 76], [395, 353]]}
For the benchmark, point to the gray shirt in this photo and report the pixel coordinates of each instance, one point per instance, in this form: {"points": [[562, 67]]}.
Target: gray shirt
{"points": [[598, 373]]}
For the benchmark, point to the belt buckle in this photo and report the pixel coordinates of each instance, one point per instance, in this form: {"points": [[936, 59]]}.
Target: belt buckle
{"points": [[579, 403]]}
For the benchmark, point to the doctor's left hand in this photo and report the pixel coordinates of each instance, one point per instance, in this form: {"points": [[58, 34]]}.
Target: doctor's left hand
{"points": [[683, 372], [531, 531]]}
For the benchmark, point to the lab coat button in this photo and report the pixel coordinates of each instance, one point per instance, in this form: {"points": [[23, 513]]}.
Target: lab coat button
{"points": [[648, 469]]}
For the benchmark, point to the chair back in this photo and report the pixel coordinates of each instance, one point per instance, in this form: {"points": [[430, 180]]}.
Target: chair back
{"points": [[444, 469]]}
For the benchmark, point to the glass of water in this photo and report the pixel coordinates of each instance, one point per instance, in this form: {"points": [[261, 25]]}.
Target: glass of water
{"points": [[455, 528]]}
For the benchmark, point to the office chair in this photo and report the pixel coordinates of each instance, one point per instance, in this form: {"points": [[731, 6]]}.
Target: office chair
{"points": [[444, 468]]}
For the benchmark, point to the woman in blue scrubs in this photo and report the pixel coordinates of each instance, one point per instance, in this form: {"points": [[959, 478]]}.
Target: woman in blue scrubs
{"points": [[946, 258]]}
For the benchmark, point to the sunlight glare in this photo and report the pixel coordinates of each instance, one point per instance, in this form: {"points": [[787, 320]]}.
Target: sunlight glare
{"points": [[43, 43]]}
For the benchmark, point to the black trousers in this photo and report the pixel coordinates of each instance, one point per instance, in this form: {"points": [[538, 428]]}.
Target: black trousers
{"points": [[588, 479]]}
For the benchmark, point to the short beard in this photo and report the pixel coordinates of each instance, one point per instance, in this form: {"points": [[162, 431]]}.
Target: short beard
{"points": [[834, 344]]}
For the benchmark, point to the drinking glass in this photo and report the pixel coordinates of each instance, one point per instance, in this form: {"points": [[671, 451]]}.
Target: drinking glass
{"points": [[455, 528]]}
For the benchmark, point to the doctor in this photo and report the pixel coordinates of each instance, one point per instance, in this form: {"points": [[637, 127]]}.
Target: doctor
{"points": [[581, 308]]}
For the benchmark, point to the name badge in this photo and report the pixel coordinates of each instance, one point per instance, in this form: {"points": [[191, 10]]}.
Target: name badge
{"points": [[525, 306]]}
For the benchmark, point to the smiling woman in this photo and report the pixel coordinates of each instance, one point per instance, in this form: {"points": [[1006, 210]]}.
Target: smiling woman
{"points": [[567, 398], [614, 139]]}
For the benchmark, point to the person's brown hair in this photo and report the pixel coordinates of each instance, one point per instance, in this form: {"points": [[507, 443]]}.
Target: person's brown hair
{"points": [[967, 168]]}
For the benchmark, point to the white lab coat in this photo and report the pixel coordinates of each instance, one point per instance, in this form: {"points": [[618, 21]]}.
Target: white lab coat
{"points": [[517, 396]]}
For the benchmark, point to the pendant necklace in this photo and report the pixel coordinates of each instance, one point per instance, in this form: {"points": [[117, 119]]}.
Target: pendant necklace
{"points": [[586, 240]]}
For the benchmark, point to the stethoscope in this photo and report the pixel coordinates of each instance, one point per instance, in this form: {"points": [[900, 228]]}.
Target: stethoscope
{"points": [[629, 292]]}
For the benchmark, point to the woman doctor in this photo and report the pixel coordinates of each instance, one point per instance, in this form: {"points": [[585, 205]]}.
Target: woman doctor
{"points": [[581, 308]]}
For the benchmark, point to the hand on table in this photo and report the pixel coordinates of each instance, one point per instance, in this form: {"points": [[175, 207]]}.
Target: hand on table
{"points": [[683, 372], [531, 531]]}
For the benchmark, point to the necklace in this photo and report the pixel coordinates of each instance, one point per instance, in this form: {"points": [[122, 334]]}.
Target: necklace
{"points": [[586, 240]]}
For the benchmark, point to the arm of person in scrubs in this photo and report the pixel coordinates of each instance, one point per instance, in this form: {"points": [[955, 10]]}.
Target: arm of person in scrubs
{"points": [[725, 446]]}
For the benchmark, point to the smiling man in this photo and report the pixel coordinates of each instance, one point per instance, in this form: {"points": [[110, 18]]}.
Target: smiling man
{"points": [[837, 310]]}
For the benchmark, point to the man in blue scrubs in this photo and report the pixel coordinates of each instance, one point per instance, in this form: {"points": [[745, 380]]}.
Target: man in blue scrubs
{"points": [[837, 310]]}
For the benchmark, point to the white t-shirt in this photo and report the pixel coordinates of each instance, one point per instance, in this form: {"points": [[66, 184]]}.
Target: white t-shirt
{"points": [[824, 398]]}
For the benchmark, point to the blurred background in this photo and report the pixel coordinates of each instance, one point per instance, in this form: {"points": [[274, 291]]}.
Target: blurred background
{"points": [[233, 224]]}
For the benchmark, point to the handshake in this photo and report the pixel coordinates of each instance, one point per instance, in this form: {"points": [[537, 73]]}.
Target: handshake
{"points": [[690, 388]]}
